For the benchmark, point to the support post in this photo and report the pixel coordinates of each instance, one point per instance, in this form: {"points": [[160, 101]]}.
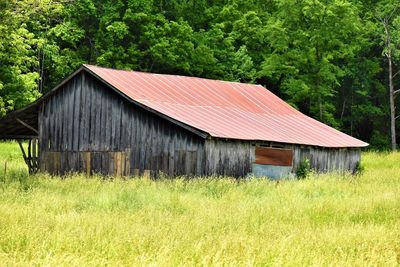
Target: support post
{"points": [[25, 156], [31, 158]]}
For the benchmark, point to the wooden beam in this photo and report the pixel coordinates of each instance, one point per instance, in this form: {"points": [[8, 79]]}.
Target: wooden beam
{"points": [[26, 159], [22, 150], [17, 137], [27, 126], [34, 155], [29, 149]]}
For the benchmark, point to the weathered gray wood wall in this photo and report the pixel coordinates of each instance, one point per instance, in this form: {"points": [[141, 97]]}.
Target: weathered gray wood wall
{"points": [[327, 159], [235, 158], [85, 126], [228, 158]]}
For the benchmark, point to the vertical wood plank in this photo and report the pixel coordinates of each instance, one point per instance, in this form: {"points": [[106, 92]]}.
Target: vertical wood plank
{"points": [[76, 113]]}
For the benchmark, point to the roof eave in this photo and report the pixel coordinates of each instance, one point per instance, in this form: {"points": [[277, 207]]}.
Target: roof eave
{"points": [[289, 143]]}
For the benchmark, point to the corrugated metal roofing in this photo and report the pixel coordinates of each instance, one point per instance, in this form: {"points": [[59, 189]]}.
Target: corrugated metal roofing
{"points": [[224, 109]]}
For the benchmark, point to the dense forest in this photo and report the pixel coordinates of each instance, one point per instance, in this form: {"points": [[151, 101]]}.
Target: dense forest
{"points": [[335, 60]]}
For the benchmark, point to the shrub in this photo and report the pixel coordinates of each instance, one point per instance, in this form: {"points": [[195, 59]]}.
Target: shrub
{"points": [[304, 169], [359, 169]]}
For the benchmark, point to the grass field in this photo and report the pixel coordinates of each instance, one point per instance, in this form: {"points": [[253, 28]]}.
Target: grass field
{"points": [[329, 220]]}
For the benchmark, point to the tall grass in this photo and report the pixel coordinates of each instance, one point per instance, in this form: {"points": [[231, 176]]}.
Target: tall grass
{"points": [[329, 220]]}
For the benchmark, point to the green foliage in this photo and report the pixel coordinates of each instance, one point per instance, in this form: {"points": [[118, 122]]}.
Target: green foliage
{"points": [[17, 57], [360, 168], [304, 169], [311, 43], [323, 57], [387, 11]]}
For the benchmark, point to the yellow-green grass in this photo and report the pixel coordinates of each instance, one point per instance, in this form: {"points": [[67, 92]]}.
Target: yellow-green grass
{"points": [[329, 220]]}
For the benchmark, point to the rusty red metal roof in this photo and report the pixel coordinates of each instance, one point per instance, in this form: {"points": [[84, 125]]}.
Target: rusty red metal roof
{"points": [[224, 109]]}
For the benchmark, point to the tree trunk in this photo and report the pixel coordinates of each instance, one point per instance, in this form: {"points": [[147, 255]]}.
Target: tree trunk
{"points": [[388, 55], [392, 106], [320, 107]]}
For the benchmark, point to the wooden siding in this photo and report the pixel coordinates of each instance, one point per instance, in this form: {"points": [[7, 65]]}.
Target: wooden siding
{"points": [[235, 158], [87, 127], [327, 159], [86, 120], [228, 158]]}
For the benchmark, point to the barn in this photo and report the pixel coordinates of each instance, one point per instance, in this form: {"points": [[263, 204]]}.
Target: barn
{"points": [[117, 122]]}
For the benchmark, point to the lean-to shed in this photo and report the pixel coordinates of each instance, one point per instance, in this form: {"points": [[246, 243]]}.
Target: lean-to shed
{"points": [[108, 121]]}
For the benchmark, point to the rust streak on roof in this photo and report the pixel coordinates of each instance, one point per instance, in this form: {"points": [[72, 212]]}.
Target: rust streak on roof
{"points": [[224, 109]]}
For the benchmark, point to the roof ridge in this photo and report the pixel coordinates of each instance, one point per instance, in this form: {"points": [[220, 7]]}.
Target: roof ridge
{"points": [[174, 75]]}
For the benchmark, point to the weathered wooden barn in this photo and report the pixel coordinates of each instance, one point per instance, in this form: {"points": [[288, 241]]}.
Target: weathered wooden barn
{"points": [[118, 122]]}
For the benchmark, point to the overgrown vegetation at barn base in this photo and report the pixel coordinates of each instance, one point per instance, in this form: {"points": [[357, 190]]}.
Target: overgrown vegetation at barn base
{"points": [[76, 220], [304, 169]]}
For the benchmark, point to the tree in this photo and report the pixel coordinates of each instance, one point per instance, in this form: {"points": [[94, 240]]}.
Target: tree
{"points": [[322, 56], [311, 41], [18, 78], [390, 20]]}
